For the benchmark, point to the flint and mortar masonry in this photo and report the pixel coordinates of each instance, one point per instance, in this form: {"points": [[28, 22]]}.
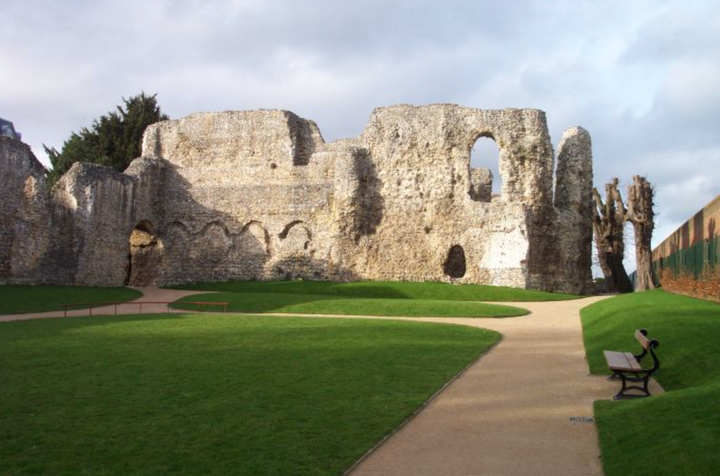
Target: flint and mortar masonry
{"points": [[260, 195]]}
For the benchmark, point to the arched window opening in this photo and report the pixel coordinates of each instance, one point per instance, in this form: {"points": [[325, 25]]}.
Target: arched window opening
{"points": [[455, 265], [143, 256], [485, 179]]}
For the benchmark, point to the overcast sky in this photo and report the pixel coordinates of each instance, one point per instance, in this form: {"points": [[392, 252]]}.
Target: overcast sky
{"points": [[642, 76]]}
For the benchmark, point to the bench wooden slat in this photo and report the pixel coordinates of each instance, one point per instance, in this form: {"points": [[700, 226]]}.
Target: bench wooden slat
{"points": [[644, 341], [621, 361], [616, 360], [631, 360]]}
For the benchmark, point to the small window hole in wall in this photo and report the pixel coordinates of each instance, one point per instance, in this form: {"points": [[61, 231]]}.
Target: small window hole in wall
{"points": [[486, 154], [455, 265]]}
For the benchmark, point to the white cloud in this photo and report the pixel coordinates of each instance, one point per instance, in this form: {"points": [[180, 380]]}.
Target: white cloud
{"points": [[692, 88], [641, 76]]}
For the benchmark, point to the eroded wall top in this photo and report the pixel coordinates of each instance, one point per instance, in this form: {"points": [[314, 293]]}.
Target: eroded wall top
{"points": [[260, 195]]}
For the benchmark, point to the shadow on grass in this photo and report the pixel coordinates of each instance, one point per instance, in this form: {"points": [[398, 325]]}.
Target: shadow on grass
{"points": [[383, 289], [678, 430], [22, 299], [214, 394], [265, 302]]}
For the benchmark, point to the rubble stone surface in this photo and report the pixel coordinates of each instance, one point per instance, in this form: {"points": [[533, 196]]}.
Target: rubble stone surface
{"points": [[260, 195], [24, 213]]}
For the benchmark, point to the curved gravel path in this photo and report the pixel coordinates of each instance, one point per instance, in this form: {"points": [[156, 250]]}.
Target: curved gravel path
{"points": [[524, 408], [150, 295]]}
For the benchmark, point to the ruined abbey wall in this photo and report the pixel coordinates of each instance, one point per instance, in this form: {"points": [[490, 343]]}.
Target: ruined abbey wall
{"points": [[24, 214], [260, 195]]}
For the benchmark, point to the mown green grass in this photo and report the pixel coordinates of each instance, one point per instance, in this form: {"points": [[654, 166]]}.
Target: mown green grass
{"points": [[319, 304], [214, 394], [23, 299], [675, 433], [384, 290]]}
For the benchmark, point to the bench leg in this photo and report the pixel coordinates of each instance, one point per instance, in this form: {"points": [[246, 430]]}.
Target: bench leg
{"points": [[622, 394]]}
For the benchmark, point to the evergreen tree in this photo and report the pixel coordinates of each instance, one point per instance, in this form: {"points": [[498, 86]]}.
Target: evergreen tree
{"points": [[113, 140]]}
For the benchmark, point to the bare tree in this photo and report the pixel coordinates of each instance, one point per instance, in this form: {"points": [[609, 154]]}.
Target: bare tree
{"points": [[640, 213], [609, 228]]}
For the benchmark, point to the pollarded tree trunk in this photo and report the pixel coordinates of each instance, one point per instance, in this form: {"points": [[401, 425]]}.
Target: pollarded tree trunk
{"points": [[608, 228], [602, 251], [622, 281], [601, 232], [641, 214]]}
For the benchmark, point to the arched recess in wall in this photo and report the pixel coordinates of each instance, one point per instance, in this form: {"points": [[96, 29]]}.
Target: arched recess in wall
{"points": [[455, 264], [145, 252], [175, 234], [254, 238], [295, 237], [485, 179], [213, 243]]}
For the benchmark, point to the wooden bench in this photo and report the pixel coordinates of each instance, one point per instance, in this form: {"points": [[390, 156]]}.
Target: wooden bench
{"points": [[626, 366]]}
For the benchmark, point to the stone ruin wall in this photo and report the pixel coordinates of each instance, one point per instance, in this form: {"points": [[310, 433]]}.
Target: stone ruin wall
{"points": [[24, 214], [260, 195]]}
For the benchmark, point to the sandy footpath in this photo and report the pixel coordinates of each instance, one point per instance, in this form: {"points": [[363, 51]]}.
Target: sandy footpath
{"points": [[150, 295], [524, 408]]}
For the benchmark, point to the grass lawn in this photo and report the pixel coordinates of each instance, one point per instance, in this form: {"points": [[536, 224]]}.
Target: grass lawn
{"points": [[24, 299], [214, 394], [676, 433], [329, 304], [384, 289]]}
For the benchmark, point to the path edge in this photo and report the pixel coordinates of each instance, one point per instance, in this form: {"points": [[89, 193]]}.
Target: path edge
{"points": [[422, 407]]}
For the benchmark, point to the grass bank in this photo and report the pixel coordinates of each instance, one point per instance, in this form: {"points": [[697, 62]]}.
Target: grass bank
{"points": [[214, 394], [23, 299], [384, 290], [676, 433], [250, 302]]}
